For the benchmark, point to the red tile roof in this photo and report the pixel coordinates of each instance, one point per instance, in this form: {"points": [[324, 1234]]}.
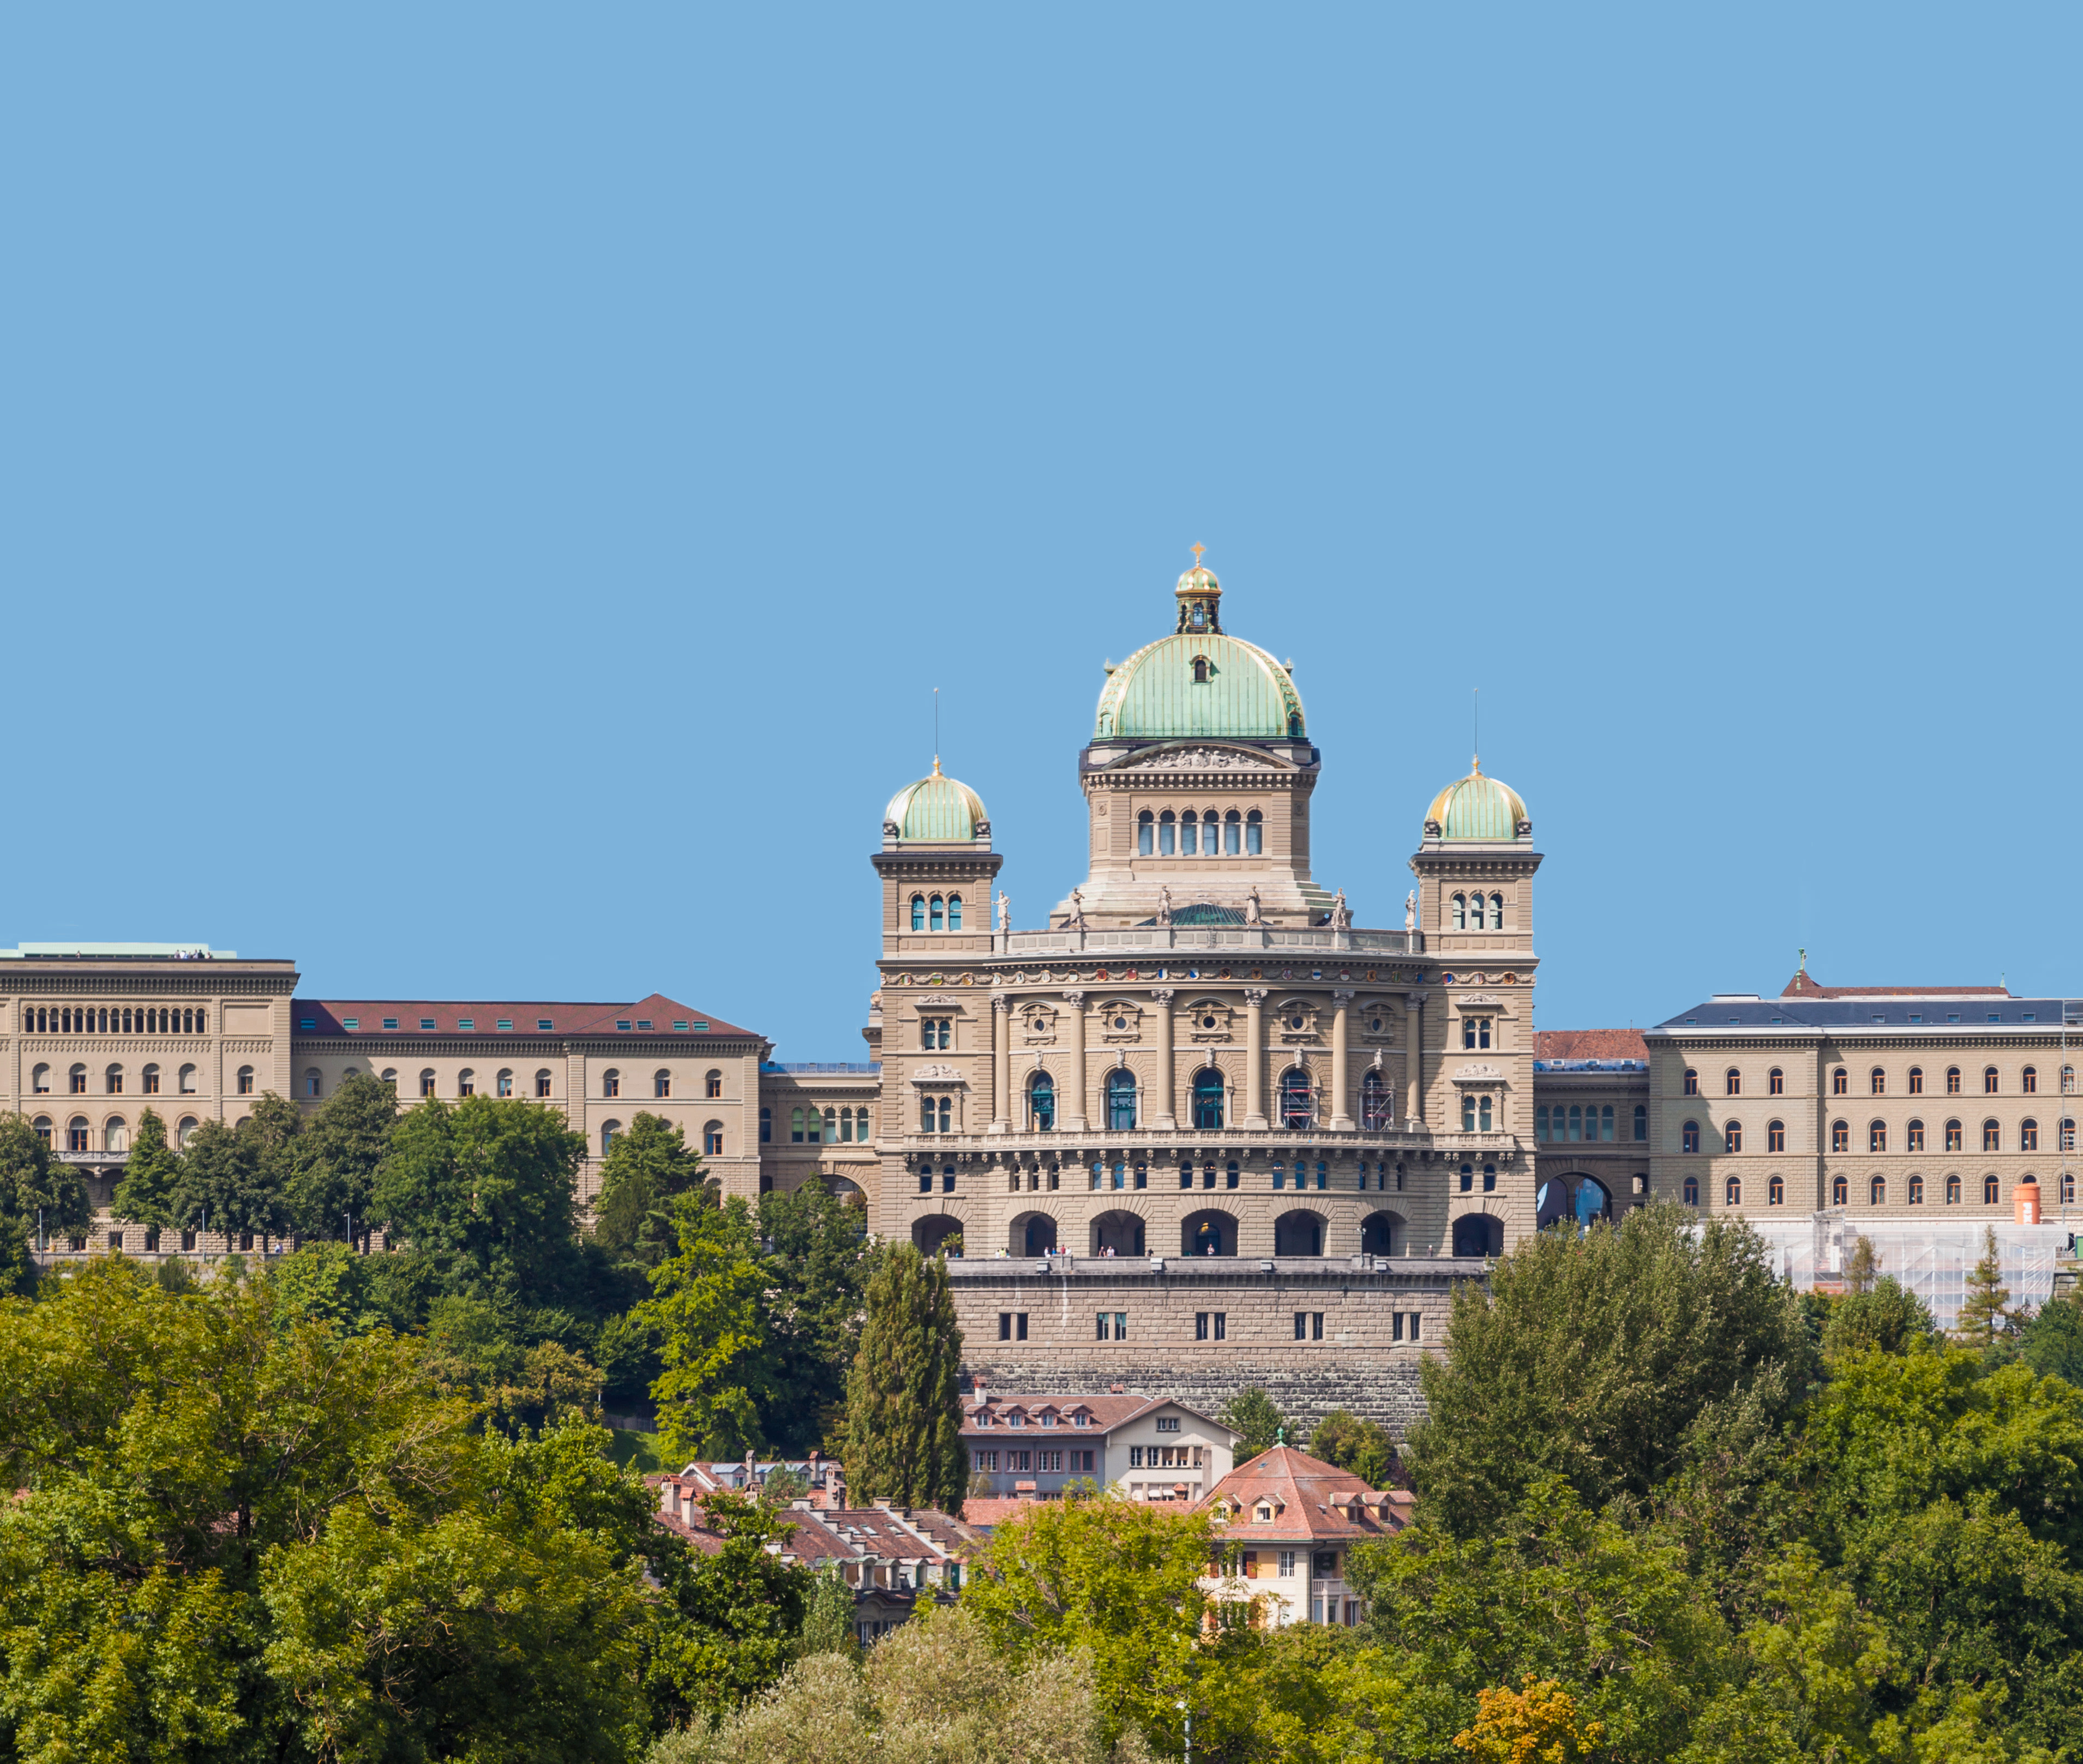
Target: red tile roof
{"points": [[1802, 986], [1108, 1411], [1589, 1044], [566, 1018], [1313, 1501]]}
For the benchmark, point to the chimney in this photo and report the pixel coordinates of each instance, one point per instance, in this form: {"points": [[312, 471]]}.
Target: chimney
{"points": [[1114, 1389], [2024, 1200]]}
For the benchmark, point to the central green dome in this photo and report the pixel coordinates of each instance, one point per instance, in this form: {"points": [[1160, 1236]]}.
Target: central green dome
{"points": [[1199, 683]]}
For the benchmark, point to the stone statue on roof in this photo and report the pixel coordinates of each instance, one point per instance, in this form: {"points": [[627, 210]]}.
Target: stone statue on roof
{"points": [[1342, 915], [1410, 911], [1163, 906], [1251, 906], [1005, 911], [1076, 921]]}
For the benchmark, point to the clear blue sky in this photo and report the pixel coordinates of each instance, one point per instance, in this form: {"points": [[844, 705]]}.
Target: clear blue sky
{"points": [[486, 493]]}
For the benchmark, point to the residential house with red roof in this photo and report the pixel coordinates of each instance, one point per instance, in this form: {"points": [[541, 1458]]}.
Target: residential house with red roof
{"points": [[1290, 1524]]}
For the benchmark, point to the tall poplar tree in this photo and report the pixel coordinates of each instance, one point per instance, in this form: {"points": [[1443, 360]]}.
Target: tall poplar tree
{"points": [[904, 1415]]}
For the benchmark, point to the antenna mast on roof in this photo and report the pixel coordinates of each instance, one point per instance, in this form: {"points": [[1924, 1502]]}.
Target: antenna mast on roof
{"points": [[1476, 729], [936, 728]]}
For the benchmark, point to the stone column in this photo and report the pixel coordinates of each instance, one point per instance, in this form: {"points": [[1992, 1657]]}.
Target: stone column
{"points": [[1342, 1100], [1413, 1060], [1001, 1064], [1161, 1106], [1254, 1057], [1074, 1020]]}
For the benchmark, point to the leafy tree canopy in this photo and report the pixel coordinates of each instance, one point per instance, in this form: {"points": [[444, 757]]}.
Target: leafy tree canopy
{"points": [[704, 1310], [332, 1187], [647, 1169], [1253, 1414], [903, 1401]]}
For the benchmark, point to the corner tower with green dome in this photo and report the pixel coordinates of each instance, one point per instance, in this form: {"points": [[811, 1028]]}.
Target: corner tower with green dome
{"points": [[1198, 779], [936, 866]]}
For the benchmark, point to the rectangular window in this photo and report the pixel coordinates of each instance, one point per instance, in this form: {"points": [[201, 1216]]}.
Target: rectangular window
{"points": [[1540, 1121], [465, 1022], [390, 1022], [1286, 1564], [350, 1023], [1120, 1326], [506, 1022], [1005, 1326], [1301, 1326], [1102, 1322], [1396, 1334], [643, 1023], [1222, 1325], [1135, 1457], [544, 1022], [1606, 1122], [1414, 1318], [1200, 1326], [1020, 1326], [1315, 1326], [307, 1022], [426, 1022]]}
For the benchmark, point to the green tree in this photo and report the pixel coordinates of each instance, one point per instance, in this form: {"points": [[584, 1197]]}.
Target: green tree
{"points": [[485, 1191], [1590, 1357], [817, 1271], [1861, 1265], [705, 1311], [1887, 1316], [828, 1618], [2052, 1344], [327, 1283], [1985, 1312], [344, 1145], [34, 1187], [1361, 1446], [1253, 1414], [903, 1401], [151, 1177], [236, 1179], [647, 1169]]}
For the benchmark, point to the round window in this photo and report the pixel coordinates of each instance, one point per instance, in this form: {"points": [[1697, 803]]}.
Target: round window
{"points": [[1121, 1022], [1207, 1023], [1376, 1025], [1293, 1023]]}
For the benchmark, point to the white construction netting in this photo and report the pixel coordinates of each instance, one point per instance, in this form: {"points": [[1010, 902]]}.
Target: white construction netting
{"points": [[1932, 1261]]}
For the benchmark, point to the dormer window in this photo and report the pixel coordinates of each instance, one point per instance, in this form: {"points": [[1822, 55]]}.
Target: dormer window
{"points": [[983, 1417], [1200, 662], [1262, 1513], [1016, 1419]]}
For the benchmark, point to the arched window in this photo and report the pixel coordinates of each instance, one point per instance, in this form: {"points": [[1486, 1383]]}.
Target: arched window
{"points": [[76, 1081], [1468, 1114], [76, 1133], [2068, 1081], [311, 1082], [39, 1081], [1200, 668], [1989, 1081], [1497, 912], [1254, 832], [1689, 1137], [1775, 1136], [713, 1138], [608, 1132], [1876, 1136], [1232, 832], [503, 1085], [1916, 1081], [1840, 1083], [112, 1079], [1952, 1081], [1732, 1082], [187, 1080], [1121, 1099], [246, 1081], [936, 911], [1840, 1192], [955, 912], [115, 1134], [1735, 1191], [1207, 1098], [1775, 1081], [2069, 1133], [1692, 1190], [1297, 1104], [1483, 1115], [1989, 1190], [2029, 1081], [796, 1126], [1775, 1191], [1993, 1136], [1879, 1190], [542, 1082], [1841, 1136], [918, 912], [928, 1116], [1692, 1081], [712, 1084], [1189, 834], [1956, 1138], [1642, 1120], [1377, 1106], [947, 1114], [1878, 1080], [1042, 1103], [1916, 1191], [427, 1082], [466, 1082], [42, 1126], [1732, 1136], [1167, 834], [2028, 1136], [610, 1082], [1461, 912], [149, 1077], [661, 1083], [1913, 1137], [1146, 829], [1952, 1190]]}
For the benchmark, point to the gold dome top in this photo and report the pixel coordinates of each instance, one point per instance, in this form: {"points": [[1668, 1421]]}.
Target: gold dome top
{"points": [[1478, 807]]}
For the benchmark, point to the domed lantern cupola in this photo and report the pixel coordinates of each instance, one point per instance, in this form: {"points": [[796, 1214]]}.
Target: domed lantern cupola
{"points": [[1200, 598]]}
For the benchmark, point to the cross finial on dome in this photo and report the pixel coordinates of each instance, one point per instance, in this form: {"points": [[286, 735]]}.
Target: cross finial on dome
{"points": [[1197, 549]]}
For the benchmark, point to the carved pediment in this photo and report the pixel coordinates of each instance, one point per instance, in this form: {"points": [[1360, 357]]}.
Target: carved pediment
{"points": [[1479, 1072], [1208, 1019], [936, 1072], [1198, 758]]}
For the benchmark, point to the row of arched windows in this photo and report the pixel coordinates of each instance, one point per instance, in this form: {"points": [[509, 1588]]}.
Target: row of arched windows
{"points": [[112, 1080], [1876, 1136], [1296, 1101], [843, 1126], [937, 913], [1877, 1191], [1193, 834], [1465, 913], [1877, 1081], [115, 1132], [114, 1020], [1588, 1121]]}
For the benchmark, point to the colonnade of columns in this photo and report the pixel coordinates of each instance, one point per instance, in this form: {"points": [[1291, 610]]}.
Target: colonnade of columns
{"points": [[1162, 1106]]}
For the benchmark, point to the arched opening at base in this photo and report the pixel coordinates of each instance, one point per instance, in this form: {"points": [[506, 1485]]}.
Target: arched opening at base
{"points": [[1034, 1234], [1298, 1234], [1477, 1234], [931, 1232], [1383, 1234], [1117, 1234], [1207, 1234]]}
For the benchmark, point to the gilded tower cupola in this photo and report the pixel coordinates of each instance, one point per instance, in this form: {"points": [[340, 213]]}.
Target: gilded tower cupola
{"points": [[1478, 807]]}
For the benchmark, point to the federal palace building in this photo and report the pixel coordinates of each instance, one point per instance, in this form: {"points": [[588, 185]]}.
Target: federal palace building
{"points": [[1199, 1128]]}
